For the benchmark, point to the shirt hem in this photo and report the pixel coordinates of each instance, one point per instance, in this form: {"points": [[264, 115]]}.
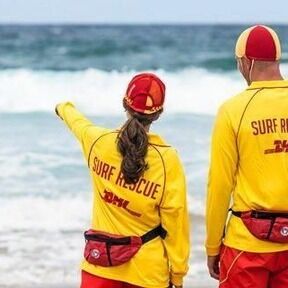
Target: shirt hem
{"points": [[255, 249], [120, 278]]}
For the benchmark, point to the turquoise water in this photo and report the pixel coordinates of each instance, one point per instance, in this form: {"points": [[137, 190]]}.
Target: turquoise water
{"points": [[121, 47]]}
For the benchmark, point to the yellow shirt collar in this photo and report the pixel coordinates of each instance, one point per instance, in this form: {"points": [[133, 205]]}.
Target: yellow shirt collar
{"points": [[268, 84]]}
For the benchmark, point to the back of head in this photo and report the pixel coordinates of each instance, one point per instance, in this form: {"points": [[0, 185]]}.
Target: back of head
{"points": [[259, 43], [258, 52], [144, 102]]}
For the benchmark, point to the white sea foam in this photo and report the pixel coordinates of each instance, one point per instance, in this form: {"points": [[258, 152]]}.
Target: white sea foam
{"points": [[100, 92], [43, 214], [34, 232]]}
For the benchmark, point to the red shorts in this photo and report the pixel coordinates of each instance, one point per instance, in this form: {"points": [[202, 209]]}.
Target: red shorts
{"points": [[239, 269], [92, 281]]}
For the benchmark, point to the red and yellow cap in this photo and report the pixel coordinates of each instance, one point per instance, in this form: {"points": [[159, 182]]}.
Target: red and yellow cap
{"points": [[145, 93], [259, 43]]}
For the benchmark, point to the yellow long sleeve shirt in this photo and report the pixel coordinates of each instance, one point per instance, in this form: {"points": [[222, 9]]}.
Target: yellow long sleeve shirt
{"points": [[158, 197], [249, 165]]}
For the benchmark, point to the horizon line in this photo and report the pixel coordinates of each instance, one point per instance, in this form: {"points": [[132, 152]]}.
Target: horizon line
{"points": [[74, 23]]}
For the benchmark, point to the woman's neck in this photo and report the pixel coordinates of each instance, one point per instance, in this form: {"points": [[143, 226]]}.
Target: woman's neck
{"points": [[147, 128]]}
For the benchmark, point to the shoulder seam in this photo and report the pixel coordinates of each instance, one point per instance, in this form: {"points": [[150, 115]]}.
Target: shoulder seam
{"points": [[164, 168], [261, 88], [92, 146], [160, 145], [242, 116], [244, 111]]}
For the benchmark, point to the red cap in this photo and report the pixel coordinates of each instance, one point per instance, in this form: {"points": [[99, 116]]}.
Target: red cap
{"points": [[145, 93], [259, 43]]}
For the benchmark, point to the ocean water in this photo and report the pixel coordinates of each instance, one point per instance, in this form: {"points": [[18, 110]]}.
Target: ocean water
{"points": [[45, 193]]}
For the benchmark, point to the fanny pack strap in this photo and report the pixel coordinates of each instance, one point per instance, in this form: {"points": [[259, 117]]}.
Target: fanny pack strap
{"points": [[236, 213], [260, 214], [152, 234]]}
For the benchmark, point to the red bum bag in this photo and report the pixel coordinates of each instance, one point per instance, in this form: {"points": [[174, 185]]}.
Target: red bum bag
{"points": [[105, 249], [267, 226]]}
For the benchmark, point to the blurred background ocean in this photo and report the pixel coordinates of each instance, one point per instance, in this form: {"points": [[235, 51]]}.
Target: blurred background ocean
{"points": [[45, 194]]}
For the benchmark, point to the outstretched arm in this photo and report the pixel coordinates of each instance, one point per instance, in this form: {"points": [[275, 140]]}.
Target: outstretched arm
{"points": [[78, 124], [76, 121]]}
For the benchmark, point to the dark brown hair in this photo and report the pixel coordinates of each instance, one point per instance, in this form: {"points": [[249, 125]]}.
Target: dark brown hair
{"points": [[133, 144]]}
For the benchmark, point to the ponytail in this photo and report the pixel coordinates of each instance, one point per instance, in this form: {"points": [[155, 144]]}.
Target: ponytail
{"points": [[133, 145]]}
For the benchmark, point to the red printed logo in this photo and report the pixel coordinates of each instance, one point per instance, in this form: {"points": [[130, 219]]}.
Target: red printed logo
{"points": [[279, 147], [111, 198]]}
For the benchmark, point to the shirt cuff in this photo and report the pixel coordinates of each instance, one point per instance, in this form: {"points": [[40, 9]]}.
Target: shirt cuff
{"points": [[59, 109], [212, 251], [176, 280]]}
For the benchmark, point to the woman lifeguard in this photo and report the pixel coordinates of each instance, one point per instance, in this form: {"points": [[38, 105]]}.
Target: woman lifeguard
{"points": [[140, 233]]}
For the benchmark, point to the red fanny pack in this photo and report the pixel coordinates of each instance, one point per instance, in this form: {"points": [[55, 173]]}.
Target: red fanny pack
{"points": [[267, 226], [105, 249]]}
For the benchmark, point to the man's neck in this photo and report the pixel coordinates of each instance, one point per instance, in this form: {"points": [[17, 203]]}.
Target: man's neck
{"points": [[270, 74], [261, 77]]}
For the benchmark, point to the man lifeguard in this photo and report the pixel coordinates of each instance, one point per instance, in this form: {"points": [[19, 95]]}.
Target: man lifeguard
{"points": [[249, 172]]}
